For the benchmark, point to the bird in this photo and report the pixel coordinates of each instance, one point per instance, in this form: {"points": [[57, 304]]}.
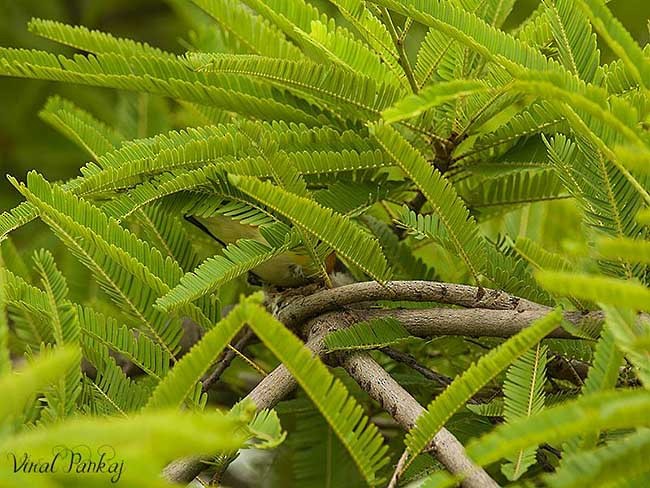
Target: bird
{"points": [[291, 269]]}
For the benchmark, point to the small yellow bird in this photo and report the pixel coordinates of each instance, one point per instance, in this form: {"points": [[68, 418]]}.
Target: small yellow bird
{"points": [[288, 270]]}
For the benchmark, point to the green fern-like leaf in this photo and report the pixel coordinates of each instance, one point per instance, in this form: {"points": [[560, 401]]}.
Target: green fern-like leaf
{"points": [[5, 359], [524, 396], [576, 43], [341, 234], [373, 32], [473, 379], [249, 31], [183, 378], [79, 126], [602, 411], [360, 437], [463, 235], [435, 58], [631, 250], [632, 337], [112, 391], [596, 288], [62, 397], [153, 437], [16, 217], [21, 386], [266, 430], [503, 194], [237, 259], [168, 234], [433, 96], [320, 38], [314, 462], [609, 203], [160, 76], [471, 31], [617, 38], [138, 348], [105, 248], [327, 86], [604, 465], [92, 41], [539, 257], [367, 335], [33, 322], [603, 375], [399, 254], [65, 323]]}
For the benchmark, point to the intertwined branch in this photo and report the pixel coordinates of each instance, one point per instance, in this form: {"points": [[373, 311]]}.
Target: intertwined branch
{"points": [[485, 313]]}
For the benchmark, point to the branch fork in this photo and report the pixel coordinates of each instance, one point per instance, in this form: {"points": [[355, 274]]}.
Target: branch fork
{"points": [[485, 313]]}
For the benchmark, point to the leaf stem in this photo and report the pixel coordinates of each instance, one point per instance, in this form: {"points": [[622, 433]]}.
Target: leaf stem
{"points": [[399, 44]]}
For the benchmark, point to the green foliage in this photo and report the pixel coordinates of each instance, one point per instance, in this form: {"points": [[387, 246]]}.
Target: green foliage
{"points": [[5, 360], [462, 233], [587, 414], [345, 416], [576, 44], [310, 463], [524, 397], [265, 430], [603, 375], [140, 349], [466, 385], [618, 38], [181, 381], [341, 234], [596, 288], [22, 386], [605, 464], [367, 335], [150, 439], [81, 127], [430, 97], [631, 335], [237, 259], [304, 145]]}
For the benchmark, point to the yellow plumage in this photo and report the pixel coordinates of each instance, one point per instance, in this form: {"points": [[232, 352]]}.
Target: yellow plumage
{"points": [[290, 269]]}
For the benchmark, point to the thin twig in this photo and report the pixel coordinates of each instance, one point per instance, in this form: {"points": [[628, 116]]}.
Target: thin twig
{"points": [[412, 363], [227, 358], [399, 470], [399, 44]]}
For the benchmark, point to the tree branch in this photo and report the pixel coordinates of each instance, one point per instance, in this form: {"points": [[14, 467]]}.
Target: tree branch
{"points": [[492, 313], [475, 322], [268, 392], [296, 309], [405, 410]]}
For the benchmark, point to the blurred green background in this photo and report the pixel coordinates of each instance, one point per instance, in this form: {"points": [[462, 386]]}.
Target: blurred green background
{"points": [[26, 142]]}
